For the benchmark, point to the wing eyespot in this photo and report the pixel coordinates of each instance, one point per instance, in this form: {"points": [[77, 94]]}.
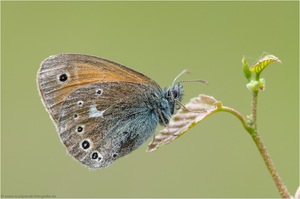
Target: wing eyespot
{"points": [[63, 77], [79, 129], [99, 92], [80, 103], [85, 144]]}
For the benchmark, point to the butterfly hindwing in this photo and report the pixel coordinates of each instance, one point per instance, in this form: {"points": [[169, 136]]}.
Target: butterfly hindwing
{"points": [[109, 124]]}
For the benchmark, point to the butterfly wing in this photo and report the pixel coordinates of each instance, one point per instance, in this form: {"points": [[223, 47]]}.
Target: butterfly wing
{"points": [[62, 74], [109, 124], [101, 109]]}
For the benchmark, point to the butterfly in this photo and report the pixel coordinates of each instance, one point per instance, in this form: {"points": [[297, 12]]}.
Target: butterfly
{"points": [[102, 110]]}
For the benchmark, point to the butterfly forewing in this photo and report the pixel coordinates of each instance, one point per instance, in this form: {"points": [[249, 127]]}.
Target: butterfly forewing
{"points": [[62, 74]]}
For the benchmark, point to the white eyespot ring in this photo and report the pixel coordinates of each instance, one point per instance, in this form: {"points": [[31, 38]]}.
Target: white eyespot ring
{"points": [[95, 155], [99, 92], [80, 129], [86, 144], [63, 77], [80, 103]]}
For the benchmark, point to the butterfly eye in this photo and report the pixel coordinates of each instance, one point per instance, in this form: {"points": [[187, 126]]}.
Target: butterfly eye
{"points": [[175, 93], [63, 77]]}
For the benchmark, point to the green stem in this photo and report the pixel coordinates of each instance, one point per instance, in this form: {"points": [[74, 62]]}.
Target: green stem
{"points": [[237, 114], [261, 147]]}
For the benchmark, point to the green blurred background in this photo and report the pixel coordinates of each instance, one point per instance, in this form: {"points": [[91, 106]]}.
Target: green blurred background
{"points": [[216, 158]]}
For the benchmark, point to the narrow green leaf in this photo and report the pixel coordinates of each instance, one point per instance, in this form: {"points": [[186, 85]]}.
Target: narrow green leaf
{"points": [[198, 109], [246, 69], [263, 63]]}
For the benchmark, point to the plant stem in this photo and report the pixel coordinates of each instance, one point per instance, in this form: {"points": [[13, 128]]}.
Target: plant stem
{"points": [[253, 108], [262, 149], [237, 114], [260, 145], [254, 104], [270, 165]]}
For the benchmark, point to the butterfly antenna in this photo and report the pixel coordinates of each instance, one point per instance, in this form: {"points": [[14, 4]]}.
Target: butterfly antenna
{"points": [[183, 81], [195, 80], [184, 71]]}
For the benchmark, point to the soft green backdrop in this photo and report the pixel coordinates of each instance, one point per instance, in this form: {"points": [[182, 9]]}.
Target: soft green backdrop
{"points": [[159, 39]]}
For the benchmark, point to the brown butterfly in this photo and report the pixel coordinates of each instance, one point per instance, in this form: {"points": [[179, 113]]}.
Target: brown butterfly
{"points": [[102, 110]]}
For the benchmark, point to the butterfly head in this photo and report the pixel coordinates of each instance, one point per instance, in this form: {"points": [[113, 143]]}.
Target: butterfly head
{"points": [[174, 95], [171, 97]]}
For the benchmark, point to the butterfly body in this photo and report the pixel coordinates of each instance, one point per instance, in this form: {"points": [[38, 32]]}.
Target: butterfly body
{"points": [[102, 110]]}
